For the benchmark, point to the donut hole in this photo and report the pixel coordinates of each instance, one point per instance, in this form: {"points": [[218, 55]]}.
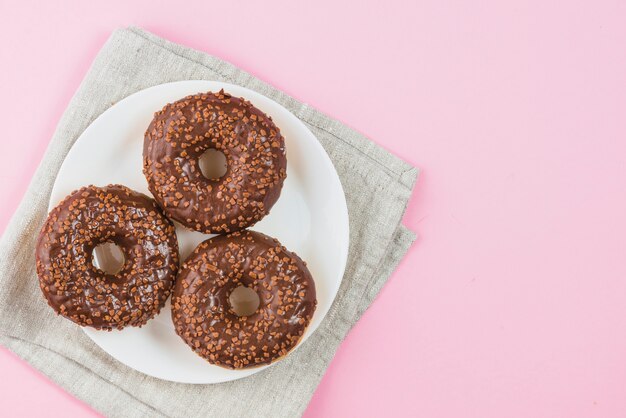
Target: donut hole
{"points": [[213, 164], [108, 257], [244, 301]]}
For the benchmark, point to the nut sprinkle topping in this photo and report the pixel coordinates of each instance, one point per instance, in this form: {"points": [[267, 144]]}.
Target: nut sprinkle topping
{"points": [[88, 296], [255, 156], [204, 318]]}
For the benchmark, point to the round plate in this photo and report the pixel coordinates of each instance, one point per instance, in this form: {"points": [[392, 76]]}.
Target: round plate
{"points": [[310, 218]]}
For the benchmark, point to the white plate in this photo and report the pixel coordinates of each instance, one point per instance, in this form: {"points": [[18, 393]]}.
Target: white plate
{"points": [[310, 218]]}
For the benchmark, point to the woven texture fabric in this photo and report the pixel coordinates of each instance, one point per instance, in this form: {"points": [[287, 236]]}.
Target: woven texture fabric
{"points": [[377, 186]]}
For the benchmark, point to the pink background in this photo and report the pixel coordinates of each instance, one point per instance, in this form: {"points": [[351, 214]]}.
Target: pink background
{"points": [[513, 301]]}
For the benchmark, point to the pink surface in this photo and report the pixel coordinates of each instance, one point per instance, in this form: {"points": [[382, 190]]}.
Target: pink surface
{"points": [[512, 302]]}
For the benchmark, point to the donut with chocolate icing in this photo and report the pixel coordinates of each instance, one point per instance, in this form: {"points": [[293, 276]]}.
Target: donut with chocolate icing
{"points": [[254, 148], [88, 296], [204, 318]]}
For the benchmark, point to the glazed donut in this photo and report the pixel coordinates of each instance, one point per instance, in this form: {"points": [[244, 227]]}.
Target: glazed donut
{"points": [[255, 155], [88, 296], [204, 318]]}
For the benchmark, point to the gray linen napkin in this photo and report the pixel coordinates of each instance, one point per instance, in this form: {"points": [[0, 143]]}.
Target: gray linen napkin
{"points": [[377, 187]]}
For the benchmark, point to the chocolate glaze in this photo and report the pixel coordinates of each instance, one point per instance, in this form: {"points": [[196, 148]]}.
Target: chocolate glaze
{"points": [[204, 318], [75, 288], [255, 153]]}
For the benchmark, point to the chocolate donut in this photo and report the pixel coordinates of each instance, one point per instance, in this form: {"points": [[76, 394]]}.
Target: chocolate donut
{"points": [[88, 296], [255, 155], [204, 318]]}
